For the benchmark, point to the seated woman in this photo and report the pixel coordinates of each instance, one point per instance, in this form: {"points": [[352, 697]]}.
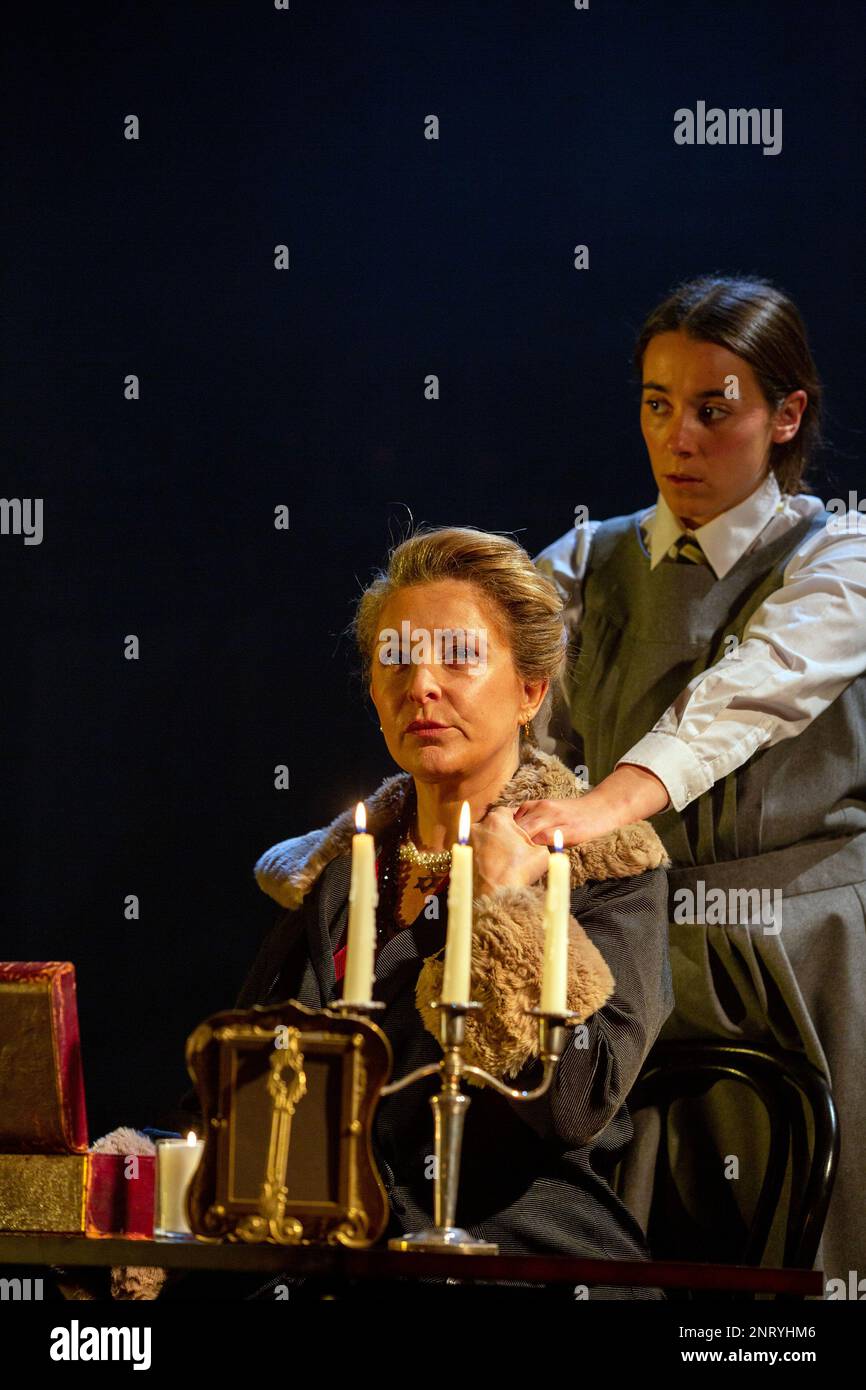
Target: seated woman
{"points": [[534, 1174]]}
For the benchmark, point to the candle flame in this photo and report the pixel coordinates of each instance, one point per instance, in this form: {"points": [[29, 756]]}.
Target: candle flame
{"points": [[465, 820], [557, 840], [360, 818], [191, 1138]]}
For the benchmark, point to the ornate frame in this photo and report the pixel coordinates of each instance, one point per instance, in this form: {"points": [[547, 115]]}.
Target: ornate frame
{"points": [[281, 1064]]}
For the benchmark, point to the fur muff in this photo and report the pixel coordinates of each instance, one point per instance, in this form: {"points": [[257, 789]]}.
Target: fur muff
{"points": [[508, 924], [506, 971]]}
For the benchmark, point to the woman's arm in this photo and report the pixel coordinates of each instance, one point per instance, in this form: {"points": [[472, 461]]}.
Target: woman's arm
{"points": [[802, 646], [630, 793]]}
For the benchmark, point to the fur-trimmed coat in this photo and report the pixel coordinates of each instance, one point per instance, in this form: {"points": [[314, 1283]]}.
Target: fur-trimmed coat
{"points": [[532, 1174]]}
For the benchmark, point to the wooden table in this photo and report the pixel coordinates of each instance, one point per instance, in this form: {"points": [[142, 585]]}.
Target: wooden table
{"points": [[67, 1252]]}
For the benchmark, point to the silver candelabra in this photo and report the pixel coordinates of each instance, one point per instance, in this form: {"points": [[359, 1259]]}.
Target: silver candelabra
{"points": [[450, 1105]]}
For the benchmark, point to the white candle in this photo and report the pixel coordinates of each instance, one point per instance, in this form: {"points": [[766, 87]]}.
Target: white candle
{"points": [[363, 901], [176, 1162], [557, 908], [458, 942]]}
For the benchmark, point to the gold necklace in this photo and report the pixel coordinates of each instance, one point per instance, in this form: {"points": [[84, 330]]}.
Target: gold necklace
{"points": [[438, 861], [430, 869], [435, 860]]}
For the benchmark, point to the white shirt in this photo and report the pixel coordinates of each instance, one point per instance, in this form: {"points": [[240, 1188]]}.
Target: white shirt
{"points": [[800, 648]]}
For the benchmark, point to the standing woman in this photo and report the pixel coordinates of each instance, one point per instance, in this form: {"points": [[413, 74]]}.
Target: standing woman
{"points": [[718, 684]]}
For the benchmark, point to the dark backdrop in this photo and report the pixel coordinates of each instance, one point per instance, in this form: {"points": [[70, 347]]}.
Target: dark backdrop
{"points": [[305, 387]]}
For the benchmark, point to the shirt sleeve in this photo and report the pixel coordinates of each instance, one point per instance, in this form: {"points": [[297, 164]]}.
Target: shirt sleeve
{"points": [[564, 563], [627, 919], [800, 649]]}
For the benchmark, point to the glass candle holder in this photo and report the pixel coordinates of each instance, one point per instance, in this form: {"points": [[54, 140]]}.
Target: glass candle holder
{"points": [[176, 1162]]}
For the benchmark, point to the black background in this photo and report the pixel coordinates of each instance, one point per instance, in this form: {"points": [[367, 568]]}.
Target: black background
{"points": [[306, 388]]}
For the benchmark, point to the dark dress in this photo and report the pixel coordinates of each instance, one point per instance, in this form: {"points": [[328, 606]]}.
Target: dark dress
{"points": [[534, 1176]]}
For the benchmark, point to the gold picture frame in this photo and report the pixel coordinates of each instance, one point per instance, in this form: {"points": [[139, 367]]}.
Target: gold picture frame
{"points": [[288, 1095]]}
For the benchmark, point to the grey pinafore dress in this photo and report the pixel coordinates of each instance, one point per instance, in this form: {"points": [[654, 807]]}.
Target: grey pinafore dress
{"points": [[791, 822]]}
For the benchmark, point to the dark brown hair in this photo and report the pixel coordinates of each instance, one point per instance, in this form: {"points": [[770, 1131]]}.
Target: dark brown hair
{"points": [[759, 323]]}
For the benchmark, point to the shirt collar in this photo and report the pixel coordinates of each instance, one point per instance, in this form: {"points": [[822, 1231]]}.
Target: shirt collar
{"points": [[724, 539]]}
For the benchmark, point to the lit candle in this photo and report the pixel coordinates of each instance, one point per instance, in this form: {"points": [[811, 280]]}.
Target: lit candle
{"points": [[458, 942], [557, 909], [176, 1162], [363, 900]]}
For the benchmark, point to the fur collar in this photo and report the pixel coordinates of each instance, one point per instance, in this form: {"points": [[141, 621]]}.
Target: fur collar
{"points": [[288, 870]]}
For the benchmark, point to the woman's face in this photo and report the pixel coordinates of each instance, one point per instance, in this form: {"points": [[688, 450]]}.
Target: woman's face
{"points": [[707, 425], [477, 707]]}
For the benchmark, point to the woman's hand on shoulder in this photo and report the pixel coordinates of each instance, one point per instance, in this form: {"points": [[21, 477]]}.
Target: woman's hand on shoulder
{"points": [[503, 854], [539, 819], [628, 794]]}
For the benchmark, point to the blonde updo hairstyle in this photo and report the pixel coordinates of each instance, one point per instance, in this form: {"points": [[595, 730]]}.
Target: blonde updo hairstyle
{"points": [[526, 603]]}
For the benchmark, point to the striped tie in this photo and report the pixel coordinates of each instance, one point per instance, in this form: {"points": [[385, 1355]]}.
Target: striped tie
{"points": [[686, 550]]}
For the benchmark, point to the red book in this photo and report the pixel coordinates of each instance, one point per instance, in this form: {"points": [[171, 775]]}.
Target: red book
{"points": [[41, 1080], [120, 1193]]}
